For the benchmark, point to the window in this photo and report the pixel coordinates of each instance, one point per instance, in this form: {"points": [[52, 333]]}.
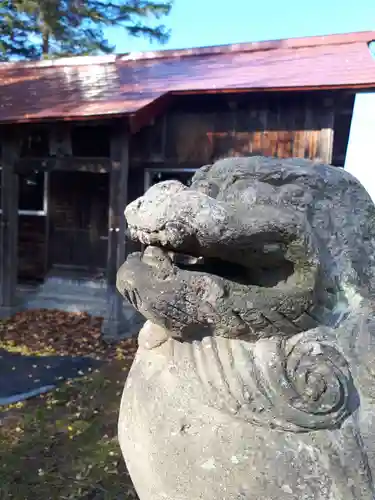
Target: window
{"points": [[32, 193]]}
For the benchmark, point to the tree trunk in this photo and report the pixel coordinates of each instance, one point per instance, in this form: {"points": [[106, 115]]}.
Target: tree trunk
{"points": [[45, 45]]}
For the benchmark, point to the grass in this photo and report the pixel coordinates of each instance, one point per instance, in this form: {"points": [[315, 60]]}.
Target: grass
{"points": [[63, 445]]}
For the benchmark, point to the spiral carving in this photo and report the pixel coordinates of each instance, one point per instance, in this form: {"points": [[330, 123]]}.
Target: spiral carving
{"points": [[297, 385], [309, 383]]}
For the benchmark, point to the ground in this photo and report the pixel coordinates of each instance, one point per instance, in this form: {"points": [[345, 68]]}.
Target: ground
{"points": [[63, 445]]}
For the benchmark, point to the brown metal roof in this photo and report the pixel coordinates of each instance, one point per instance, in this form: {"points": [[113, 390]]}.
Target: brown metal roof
{"points": [[83, 87]]}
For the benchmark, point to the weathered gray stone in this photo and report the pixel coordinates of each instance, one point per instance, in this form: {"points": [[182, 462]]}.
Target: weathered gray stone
{"points": [[254, 377]]}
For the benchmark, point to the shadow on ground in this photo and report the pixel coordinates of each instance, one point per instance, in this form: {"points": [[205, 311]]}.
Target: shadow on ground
{"points": [[23, 376]]}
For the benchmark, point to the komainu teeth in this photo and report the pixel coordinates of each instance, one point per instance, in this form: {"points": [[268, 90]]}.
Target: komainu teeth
{"points": [[138, 235], [143, 238], [132, 233]]}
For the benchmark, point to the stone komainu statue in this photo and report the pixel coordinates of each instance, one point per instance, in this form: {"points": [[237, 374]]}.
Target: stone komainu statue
{"points": [[254, 374]]}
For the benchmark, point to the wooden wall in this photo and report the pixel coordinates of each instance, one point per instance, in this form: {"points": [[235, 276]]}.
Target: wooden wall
{"points": [[31, 247], [201, 129]]}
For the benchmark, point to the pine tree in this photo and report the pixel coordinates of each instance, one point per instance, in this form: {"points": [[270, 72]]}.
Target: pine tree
{"points": [[35, 29], [14, 34]]}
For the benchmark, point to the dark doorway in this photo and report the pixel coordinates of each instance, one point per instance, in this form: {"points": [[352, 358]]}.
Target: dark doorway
{"points": [[78, 220]]}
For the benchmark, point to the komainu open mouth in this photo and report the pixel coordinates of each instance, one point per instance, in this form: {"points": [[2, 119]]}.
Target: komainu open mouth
{"points": [[193, 297], [259, 276], [267, 276]]}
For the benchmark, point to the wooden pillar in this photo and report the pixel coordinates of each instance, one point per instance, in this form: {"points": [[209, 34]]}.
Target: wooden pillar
{"points": [[9, 226], [115, 324], [326, 133], [118, 195]]}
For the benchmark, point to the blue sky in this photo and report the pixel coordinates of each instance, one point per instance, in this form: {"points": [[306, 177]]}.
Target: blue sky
{"points": [[197, 23]]}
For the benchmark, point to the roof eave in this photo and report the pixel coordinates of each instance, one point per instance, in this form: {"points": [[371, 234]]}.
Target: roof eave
{"points": [[143, 115]]}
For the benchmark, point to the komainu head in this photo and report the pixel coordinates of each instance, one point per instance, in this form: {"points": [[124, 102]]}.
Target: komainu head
{"points": [[255, 247], [274, 256]]}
